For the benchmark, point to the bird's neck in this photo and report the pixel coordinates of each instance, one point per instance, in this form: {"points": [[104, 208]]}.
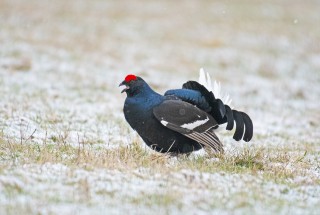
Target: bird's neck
{"points": [[142, 92]]}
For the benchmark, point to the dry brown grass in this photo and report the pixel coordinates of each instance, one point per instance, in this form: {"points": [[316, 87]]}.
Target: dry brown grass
{"points": [[273, 164]]}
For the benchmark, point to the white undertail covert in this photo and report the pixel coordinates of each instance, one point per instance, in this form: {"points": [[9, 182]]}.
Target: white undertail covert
{"points": [[205, 80]]}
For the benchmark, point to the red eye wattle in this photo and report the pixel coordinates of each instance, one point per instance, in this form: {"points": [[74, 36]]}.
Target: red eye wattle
{"points": [[130, 78]]}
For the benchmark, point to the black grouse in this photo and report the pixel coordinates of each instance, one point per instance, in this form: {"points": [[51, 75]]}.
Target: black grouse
{"points": [[181, 120]]}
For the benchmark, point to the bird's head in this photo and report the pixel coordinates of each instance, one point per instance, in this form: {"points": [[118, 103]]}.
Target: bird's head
{"points": [[134, 85]]}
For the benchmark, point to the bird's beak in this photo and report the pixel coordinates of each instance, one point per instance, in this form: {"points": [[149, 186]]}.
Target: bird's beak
{"points": [[124, 84]]}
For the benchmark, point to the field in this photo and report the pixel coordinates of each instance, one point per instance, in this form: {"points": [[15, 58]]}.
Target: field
{"points": [[65, 147]]}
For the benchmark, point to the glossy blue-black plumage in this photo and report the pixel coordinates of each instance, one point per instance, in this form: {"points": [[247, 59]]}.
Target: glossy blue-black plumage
{"points": [[138, 111], [191, 96], [198, 95], [211, 105], [142, 100]]}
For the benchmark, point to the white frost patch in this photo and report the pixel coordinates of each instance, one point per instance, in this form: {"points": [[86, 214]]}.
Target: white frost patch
{"points": [[67, 189], [194, 124]]}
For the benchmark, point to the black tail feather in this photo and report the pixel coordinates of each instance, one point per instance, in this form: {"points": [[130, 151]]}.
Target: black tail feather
{"points": [[221, 107], [229, 117], [218, 110], [239, 125], [193, 85], [249, 127], [223, 113]]}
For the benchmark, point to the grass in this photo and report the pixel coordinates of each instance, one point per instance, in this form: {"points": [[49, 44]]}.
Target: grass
{"points": [[162, 200], [272, 164]]}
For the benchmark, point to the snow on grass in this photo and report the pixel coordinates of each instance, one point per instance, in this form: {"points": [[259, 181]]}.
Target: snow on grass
{"points": [[56, 188], [65, 147]]}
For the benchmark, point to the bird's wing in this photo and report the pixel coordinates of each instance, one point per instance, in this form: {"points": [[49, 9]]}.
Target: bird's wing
{"points": [[196, 94], [190, 121]]}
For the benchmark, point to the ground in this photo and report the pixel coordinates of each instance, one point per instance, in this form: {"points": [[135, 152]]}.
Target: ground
{"points": [[65, 147]]}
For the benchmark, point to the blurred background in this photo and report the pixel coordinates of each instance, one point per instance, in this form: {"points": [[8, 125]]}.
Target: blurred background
{"points": [[63, 53], [262, 38]]}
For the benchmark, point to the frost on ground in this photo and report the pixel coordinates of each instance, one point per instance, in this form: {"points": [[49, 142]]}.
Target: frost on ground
{"points": [[65, 147]]}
